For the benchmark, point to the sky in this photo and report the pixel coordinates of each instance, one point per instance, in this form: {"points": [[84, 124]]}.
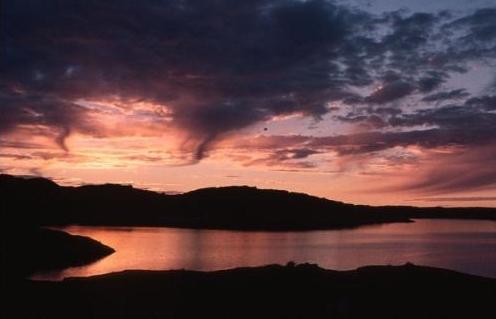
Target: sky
{"points": [[368, 102]]}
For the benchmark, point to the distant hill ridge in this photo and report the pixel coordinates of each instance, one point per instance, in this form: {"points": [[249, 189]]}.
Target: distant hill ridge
{"points": [[40, 201]]}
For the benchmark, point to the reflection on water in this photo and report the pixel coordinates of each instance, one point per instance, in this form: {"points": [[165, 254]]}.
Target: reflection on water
{"points": [[467, 246]]}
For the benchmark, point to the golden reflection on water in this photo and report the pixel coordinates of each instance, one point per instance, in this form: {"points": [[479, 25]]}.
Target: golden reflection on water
{"points": [[468, 246]]}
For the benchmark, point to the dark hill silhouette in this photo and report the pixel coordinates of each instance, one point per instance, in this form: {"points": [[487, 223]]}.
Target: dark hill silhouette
{"points": [[39, 201], [293, 291]]}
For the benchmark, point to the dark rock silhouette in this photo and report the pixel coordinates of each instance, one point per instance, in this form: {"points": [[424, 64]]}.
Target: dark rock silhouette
{"points": [[27, 250], [295, 291], [41, 202]]}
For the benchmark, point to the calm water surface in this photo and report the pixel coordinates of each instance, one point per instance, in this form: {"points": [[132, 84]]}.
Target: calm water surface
{"points": [[467, 246]]}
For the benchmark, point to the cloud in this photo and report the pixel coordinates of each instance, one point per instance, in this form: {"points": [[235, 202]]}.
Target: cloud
{"points": [[15, 156], [218, 67], [448, 158], [446, 95], [390, 92], [482, 24], [431, 81], [457, 199], [211, 70], [450, 117], [59, 116], [369, 121], [470, 169], [484, 102], [369, 142], [289, 158], [19, 145]]}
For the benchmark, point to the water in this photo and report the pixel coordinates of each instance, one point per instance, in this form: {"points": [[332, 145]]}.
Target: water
{"points": [[466, 246]]}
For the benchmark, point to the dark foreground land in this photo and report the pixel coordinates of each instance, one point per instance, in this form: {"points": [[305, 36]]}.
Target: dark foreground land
{"points": [[303, 291], [42, 202]]}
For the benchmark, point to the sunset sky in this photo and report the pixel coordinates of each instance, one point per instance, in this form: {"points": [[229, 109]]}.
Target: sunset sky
{"points": [[372, 102]]}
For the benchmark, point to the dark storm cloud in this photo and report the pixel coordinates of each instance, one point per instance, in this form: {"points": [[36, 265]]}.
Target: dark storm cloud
{"points": [[410, 32], [370, 121], [482, 24], [485, 102], [292, 154], [390, 92], [449, 117], [446, 95], [220, 66], [379, 141], [59, 116], [375, 141], [467, 126], [467, 129], [467, 122], [474, 38], [431, 81], [290, 158]]}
